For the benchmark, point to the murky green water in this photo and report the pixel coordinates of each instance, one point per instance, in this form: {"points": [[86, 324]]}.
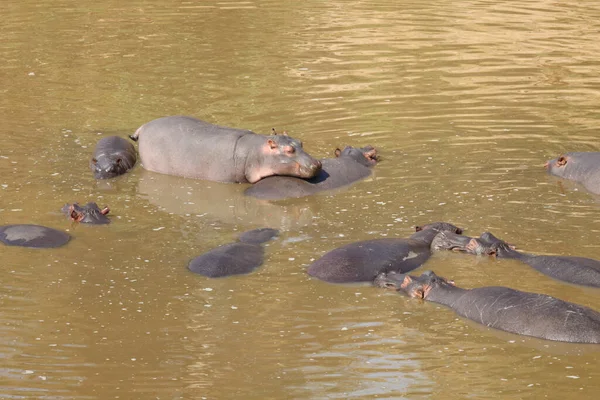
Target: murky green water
{"points": [[465, 101]]}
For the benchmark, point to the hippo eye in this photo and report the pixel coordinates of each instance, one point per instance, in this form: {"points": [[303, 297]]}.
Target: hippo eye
{"points": [[94, 161], [290, 150], [562, 160]]}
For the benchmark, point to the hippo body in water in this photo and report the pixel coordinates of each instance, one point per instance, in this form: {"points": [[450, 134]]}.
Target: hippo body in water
{"points": [[36, 236], [185, 146], [580, 167], [350, 165], [503, 308], [234, 258], [363, 261], [87, 214], [576, 270], [113, 156]]}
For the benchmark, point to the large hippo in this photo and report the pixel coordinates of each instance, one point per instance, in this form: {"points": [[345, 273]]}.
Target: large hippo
{"points": [[503, 308], [188, 147], [350, 165], [87, 214], [581, 167], [577, 270], [113, 156], [363, 261], [36, 236], [234, 258]]}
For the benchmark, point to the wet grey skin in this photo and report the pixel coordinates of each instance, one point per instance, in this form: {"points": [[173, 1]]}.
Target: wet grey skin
{"points": [[363, 261], [498, 307], [349, 166], [580, 167], [241, 257], [35, 236], [185, 146], [113, 156], [87, 214]]}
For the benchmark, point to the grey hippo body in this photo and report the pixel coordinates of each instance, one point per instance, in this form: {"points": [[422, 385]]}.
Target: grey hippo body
{"points": [[234, 258], [113, 156], [185, 146], [350, 165], [577, 270], [89, 213], [363, 261], [580, 167], [35, 236], [503, 308]]}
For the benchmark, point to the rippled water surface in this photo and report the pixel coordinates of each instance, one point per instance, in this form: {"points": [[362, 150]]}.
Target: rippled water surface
{"points": [[464, 100]]}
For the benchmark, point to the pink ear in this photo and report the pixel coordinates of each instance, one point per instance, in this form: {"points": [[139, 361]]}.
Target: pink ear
{"points": [[105, 211], [407, 280]]}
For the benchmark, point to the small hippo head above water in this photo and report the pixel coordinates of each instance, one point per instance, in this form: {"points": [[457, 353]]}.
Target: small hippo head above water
{"points": [[486, 244], [88, 214], [284, 155], [416, 287], [366, 156]]}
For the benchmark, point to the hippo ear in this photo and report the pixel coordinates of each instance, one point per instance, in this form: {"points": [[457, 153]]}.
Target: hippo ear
{"points": [[272, 144], [562, 160], [337, 152], [94, 161], [285, 133], [418, 228], [105, 211], [417, 293]]}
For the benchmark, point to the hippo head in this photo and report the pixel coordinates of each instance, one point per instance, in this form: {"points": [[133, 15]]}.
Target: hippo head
{"points": [[416, 287], [283, 155], [366, 156], [494, 246], [89, 213], [107, 166], [447, 240], [569, 166]]}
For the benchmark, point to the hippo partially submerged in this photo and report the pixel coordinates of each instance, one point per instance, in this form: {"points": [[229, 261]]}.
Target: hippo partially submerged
{"points": [[87, 214], [363, 261], [36, 236], [350, 165], [234, 258], [503, 308], [113, 156], [188, 147], [577, 270], [580, 167]]}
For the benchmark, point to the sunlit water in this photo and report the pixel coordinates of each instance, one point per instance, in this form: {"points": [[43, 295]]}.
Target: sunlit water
{"points": [[465, 102]]}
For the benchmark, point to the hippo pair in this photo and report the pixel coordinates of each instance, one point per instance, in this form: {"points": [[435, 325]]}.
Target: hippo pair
{"points": [[38, 236], [576, 270], [503, 308]]}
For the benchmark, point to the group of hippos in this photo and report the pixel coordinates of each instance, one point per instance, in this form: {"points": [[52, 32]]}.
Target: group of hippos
{"points": [[278, 167]]}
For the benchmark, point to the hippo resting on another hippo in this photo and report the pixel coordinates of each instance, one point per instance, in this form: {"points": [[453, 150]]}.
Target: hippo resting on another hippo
{"points": [[234, 258], [498, 307], [36, 236], [577, 270], [580, 167], [87, 214], [113, 156], [191, 148], [350, 165], [363, 261]]}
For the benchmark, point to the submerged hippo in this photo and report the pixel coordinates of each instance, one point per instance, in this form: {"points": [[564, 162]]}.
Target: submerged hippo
{"points": [[32, 236], [350, 165], [577, 270], [113, 156], [363, 261], [191, 148], [503, 308], [234, 258], [88, 214], [580, 167]]}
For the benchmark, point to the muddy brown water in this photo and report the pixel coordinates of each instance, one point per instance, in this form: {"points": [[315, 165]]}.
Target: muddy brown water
{"points": [[465, 101]]}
